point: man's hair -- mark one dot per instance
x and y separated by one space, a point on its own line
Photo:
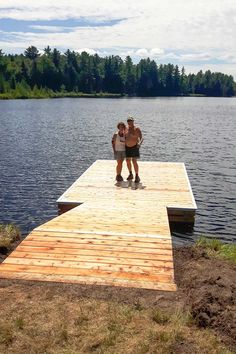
130 119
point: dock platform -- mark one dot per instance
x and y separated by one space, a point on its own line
109 233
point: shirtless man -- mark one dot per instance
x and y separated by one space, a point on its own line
133 140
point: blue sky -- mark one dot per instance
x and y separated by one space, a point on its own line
67 25
189 33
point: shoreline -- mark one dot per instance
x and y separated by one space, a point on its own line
98 95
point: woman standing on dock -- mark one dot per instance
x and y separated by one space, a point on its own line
118 144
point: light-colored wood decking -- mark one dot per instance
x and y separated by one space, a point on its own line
117 235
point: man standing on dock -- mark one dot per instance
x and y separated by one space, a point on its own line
133 140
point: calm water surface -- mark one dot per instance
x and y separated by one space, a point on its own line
46 144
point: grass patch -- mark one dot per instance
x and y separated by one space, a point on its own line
96 326
6 334
167 337
177 318
160 317
9 233
229 251
37 93
181 318
19 323
217 248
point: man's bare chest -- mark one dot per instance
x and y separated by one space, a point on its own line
132 134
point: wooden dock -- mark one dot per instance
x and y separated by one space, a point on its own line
109 234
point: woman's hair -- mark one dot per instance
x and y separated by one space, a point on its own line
121 123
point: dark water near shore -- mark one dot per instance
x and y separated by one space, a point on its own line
46 144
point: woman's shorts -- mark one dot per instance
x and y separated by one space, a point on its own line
119 155
132 151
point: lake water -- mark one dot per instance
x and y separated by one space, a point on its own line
46 144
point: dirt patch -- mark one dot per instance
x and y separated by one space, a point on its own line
209 288
206 290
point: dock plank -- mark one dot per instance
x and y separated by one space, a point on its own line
129 283
156 255
104 241
156 240
109 234
70 245
105 266
159 263
46 269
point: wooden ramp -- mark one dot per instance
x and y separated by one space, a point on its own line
109 234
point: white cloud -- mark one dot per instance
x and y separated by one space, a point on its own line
195 57
181 30
156 52
228 57
151 53
88 50
229 69
126 53
62 9
170 56
142 52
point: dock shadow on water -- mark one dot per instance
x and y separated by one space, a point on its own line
130 184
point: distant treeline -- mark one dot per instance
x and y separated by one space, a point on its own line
53 74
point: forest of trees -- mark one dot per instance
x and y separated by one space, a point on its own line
56 74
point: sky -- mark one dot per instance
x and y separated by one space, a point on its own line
196 34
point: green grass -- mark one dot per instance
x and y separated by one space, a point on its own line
9 233
217 248
19 323
160 317
46 93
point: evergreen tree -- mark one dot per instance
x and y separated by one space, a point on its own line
56 57
113 80
13 83
85 78
48 51
170 83
2 83
177 81
97 73
153 72
24 72
35 77
32 53
147 78
49 74
183 82
130 79
162 80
